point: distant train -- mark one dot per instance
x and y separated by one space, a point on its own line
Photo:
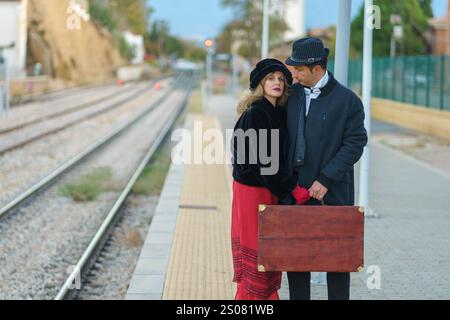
185 65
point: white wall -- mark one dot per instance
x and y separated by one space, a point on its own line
137 41
13 28
294 15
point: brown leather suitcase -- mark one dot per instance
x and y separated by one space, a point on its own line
310 238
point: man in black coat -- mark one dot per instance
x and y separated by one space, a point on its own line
327 137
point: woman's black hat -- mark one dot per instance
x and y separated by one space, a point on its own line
266 66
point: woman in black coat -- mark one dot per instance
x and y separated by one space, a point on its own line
260 143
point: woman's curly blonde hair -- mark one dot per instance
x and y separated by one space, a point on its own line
251 96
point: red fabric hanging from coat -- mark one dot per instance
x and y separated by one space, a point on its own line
252 284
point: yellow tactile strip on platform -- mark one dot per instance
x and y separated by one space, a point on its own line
200 265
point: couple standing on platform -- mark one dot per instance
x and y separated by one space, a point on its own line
315 135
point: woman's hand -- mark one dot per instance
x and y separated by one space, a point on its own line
301 195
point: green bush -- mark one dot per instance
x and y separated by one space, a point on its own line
103 15
127 51
152 178
89 187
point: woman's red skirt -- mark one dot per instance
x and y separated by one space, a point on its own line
251 284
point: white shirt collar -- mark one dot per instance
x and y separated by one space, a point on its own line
315 92
322 82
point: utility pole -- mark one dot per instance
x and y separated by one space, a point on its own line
265 34
341 70
343 41
364 176
4 88
209 44
397 33
234 75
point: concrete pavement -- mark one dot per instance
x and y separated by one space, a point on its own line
187 254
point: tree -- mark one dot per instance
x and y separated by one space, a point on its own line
160 43
134 14
414 14
246 28
109 15
103 15
225 38
427 8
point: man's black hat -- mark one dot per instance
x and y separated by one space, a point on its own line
266 66
307 51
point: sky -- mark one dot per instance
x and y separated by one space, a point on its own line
201 19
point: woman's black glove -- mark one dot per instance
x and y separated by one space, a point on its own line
287 201
298 196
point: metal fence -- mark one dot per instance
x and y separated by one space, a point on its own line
418 80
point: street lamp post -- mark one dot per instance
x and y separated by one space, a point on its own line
364 176
397 33
4 88
209 44
269 7
265 33
234 74
343 41
341 70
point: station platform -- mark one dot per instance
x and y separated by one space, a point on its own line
187 253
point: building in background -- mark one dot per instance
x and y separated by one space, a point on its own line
13 17
439 35
137 43
293 12
295 19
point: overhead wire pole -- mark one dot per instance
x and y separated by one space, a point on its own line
364 175
209 59
265 34
341 69
4 88
234 75
343 41
209 44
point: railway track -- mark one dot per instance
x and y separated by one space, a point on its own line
30 98
98 240
77 159
57 94
60 113
71 109
48 125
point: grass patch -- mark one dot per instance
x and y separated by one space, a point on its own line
151 180
153 176
195 102
89 187
130 237
194 105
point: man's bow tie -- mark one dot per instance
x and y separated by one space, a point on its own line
309 91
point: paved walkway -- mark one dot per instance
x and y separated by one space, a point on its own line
200 264
410 240
187 254
195 261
